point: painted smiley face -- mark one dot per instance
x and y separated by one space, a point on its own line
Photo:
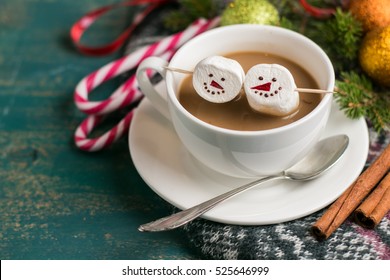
218 79
270 89
214 87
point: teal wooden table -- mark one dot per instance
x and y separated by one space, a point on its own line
57 202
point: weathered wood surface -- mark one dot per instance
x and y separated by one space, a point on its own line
57 202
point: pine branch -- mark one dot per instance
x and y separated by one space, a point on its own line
357 98
190 10
340 37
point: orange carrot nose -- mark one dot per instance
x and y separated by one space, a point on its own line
215 84
265 87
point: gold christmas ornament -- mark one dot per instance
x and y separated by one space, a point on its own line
374 55
371 13
250 11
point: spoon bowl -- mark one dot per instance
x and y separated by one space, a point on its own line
320 159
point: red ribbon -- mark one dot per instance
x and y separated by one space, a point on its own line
317 12
80 26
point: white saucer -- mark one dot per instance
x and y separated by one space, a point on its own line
174 175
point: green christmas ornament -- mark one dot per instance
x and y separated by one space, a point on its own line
250 11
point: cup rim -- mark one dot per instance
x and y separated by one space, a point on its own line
327 98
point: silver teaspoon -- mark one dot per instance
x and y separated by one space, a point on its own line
321 158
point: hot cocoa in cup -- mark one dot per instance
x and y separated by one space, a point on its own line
237 114
238 150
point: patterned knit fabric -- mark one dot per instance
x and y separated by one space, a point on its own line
293 240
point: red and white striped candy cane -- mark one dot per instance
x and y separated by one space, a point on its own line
128 92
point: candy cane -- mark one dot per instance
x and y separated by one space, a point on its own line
133 95
127 63
127 93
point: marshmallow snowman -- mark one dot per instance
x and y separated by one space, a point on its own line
218 79
270 89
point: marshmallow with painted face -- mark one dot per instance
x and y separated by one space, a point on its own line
218 79
270 89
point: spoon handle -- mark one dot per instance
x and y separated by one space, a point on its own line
183 217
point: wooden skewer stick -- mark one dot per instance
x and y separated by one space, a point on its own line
179 70
309 90
312 90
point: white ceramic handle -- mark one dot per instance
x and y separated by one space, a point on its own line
158 99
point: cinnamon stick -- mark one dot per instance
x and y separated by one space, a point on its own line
340 210
376 206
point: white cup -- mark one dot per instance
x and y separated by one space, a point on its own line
242 153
